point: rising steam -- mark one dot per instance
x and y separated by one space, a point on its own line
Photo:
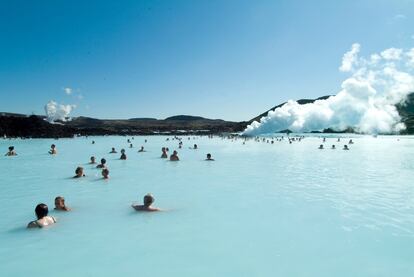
55 111
365 103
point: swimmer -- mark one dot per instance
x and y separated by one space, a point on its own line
93 160
346 147
113 151
350 142
102 164
79 172
43 219
320 146
333 147
93 142
174 156
148 200
123 155
142 149
11 152
131 146
195 146
60 204
53 150
164 153
105 173
180 146
145 141
324 139
209 157
338 140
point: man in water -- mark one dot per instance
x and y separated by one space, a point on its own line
164 153
105 173
113 151
209 157
79 172
43 219
93 160
60 204
346 147
174 156
142 149
11 152
102 164
123 155
53 150
333 146
148 200
320 146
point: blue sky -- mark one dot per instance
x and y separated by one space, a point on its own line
218 59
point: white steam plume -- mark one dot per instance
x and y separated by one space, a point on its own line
55 111
366 102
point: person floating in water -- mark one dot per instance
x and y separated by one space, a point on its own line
142 149
123 155
350 142
113 151
346 147
174 156
93 160
164 154
93 142
320 146
60 204
79 172
105 173
333 146
194 147
131 146
53 150
148 200
102 164
11 152
43 219
209 157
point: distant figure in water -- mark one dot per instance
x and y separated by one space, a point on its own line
79 172
93 142
128 140
113 151
145 141
102 164
320 146
148 200
131 146
346 147
43 219
164 153
338 140
123 155
174 156
60 204
105 173
350 142
209 157
53 150
195 146
333 147
93 160
11 152
324 139
142 149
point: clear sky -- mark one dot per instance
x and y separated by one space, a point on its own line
218 59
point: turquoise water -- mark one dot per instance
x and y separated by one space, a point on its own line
258 210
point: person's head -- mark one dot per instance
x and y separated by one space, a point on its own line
11 148
175 153
105 173
113 148
333 146
148 200
93 159
195 145
142 147
53 146
60 203
41 211
167 149
79 171
122 151
208 156
103 161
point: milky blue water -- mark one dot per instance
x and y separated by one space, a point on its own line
258 210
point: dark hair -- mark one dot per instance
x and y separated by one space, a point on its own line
78 169
11 148
148 200
208 155
52 146
103 161
41 211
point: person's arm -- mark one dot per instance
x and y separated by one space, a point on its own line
33 224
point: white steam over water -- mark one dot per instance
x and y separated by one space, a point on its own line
55 111
366 101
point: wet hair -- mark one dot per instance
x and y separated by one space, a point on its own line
103 161
11 148
41 211
52 146
78 170
148 200
122 150
59 198
93 158
208 155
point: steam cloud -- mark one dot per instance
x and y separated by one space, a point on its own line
365 103
55 111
